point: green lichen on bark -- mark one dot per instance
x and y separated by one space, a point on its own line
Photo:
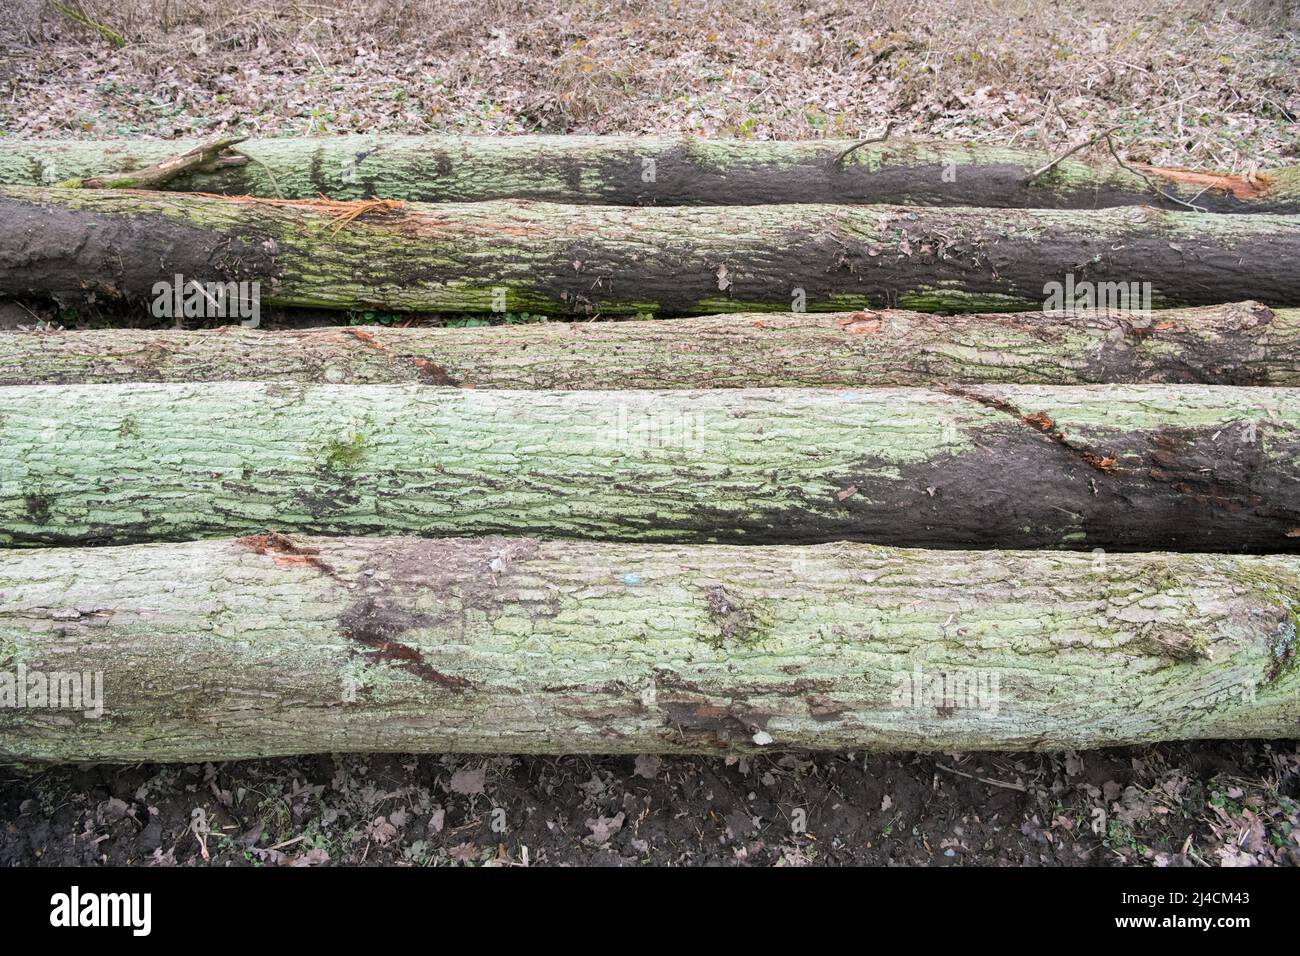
648 169
1199 467
603 260
266 645
1239 344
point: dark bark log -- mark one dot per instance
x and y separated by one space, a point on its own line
657 171
585 260
1209 468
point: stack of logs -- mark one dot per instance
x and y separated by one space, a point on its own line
840 481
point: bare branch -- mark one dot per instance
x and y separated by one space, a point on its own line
206 156
1149 181
875 139
1067 154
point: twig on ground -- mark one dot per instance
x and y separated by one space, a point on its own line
269 175
992 783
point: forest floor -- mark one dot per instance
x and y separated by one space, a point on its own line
1202 804
1190 83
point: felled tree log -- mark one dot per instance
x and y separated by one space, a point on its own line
633 170
269 646
1239 344
1133 467
518 256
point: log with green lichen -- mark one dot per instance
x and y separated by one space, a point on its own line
73 245
268 646
643 170
1242 343
1209 468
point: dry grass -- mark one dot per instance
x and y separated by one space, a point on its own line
1188 82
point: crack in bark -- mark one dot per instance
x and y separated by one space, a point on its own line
1040 422
365 620
368 622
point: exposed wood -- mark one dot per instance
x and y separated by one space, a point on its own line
1127 466
1239 344
585 260
268 646
633 170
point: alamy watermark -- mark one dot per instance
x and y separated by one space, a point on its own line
57 690
1070 296
645 428
950 690
192 299
133 911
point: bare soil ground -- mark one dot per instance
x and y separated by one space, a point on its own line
1207 804
1193 83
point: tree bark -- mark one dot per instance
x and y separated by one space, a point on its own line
585 260
1129 467
631 170
266 646
1243 343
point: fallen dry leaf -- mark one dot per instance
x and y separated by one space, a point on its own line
602 828
468 782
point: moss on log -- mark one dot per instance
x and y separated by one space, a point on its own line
631 170
269 646
1243 343
586 260
1127 466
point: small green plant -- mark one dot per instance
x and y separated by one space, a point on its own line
417 853
1120 837
1224 803
373 318
340 454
